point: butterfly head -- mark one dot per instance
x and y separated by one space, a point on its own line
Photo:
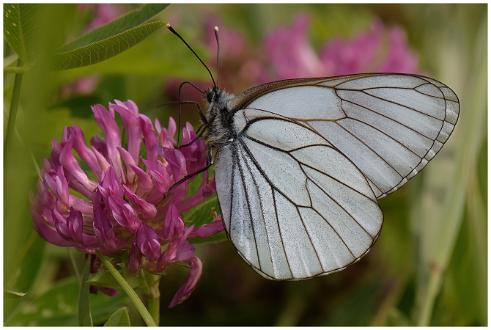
218 98
212 94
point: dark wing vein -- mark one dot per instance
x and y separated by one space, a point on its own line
249 210
387 135
399 104
338 204
370 148
336 232
310 238
381 114
302 163
275 189
232 183
261 207
254 160
273 192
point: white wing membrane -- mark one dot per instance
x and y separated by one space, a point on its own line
292 209
298 186
312 100
388 125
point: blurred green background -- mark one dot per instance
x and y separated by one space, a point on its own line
429 266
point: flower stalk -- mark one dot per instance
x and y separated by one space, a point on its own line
140 307
153 297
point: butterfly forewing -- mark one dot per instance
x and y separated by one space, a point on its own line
388 125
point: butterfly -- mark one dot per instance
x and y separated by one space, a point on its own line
300 164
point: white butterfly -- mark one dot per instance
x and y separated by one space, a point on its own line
301 163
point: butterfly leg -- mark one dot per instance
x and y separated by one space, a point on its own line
189 176
199 133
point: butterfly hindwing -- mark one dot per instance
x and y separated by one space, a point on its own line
293 206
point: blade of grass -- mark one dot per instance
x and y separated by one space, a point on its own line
478 229
440 205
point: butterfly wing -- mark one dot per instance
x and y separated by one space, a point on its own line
293 205
388 125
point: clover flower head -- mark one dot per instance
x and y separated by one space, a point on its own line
116 195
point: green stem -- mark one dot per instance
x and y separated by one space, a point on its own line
14 105
429 296
74 263
140 307
153 297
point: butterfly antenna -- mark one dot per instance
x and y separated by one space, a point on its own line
171 29
216 30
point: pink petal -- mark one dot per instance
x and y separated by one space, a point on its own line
196 268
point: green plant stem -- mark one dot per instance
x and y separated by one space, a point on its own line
74 263
153 297
14 105
140 307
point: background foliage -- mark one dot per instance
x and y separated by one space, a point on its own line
430 263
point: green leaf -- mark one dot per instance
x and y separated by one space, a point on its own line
106 48
119 318
217 238
118 26
202 214
84 315
18 27
105 279
160 56
58 306
110 39
26 268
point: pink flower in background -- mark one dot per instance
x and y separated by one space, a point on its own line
82 86
286 52
114 194
239 66
234 44
289 53
102 13
238 69
380 49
